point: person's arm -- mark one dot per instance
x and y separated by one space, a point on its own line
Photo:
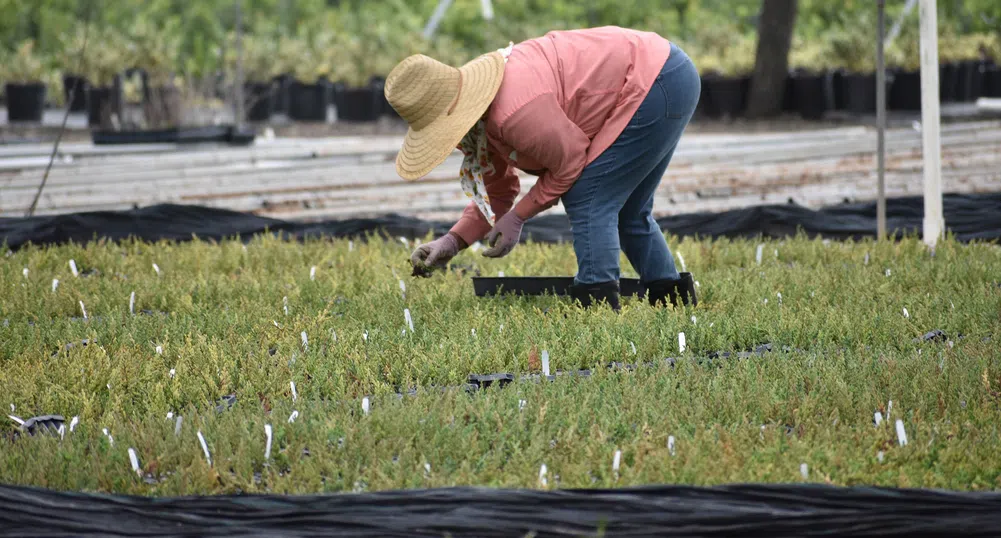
502 189
541 130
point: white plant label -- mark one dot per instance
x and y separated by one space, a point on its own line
472 332
172 373
365 405
693 320
73 268
543 480
681 260
901 434
351 246
887 272
866 260
295 395
177 425
170 415
55 284
500 274
364 336
633 346
410 320
159 350
521 405
305 341
889 407
906 315
804 470
616 461
757 255
73 422
476 246
878 418
111 440
83 309
404 241
776 253
403 288
681 342
312 273
545 363
697 285
205 447
285 305
12 408
267 446
778 295
132 304
879 456
62 431
25 272
293 416
670 444
156 268
427 469
134 460
333 335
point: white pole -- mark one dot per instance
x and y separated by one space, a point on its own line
930 119
881 122
436 17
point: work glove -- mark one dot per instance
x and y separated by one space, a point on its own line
437 253
504 236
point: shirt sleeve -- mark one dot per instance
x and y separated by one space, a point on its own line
502 189
541 130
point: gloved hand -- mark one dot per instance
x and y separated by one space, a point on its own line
505 235
437 253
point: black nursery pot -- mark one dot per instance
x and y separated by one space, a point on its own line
835 81
102 103
948 82
790 102
360 104
860 92
969 80
905 94
260 98
25 102
810 91
75 92
728 94
281 92
992 81
308 102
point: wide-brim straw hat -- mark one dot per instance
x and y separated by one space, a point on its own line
441 104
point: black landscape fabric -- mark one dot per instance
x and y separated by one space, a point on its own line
738 510
967 217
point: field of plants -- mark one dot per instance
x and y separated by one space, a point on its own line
277 366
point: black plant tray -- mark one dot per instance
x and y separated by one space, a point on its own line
543 285
182 135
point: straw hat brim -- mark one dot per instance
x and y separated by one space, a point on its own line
423 150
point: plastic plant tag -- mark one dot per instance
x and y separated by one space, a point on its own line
55 284
267 446
134 460
364 336
73 422
545 363
404 241
521 405
906 315
472 332
62 431
879 456
156 268
170 415
616 461
901 434
681 342
305 341
172 373
633 346
889 407
804 470
73 268
205 447
693 320
500 274
778 295
83 309
365 405
132 304
159 350
410 320
312 273
866 260
295 395
111 440
285 305
427 469
403 288
543 479
293 416
757 255
681 260
25 272
333 335
887 272
351 246
670 444
177 425
12 408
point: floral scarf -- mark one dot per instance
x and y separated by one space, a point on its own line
477 161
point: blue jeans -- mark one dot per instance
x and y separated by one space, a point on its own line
610 207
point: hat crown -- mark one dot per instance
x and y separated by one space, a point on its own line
421 89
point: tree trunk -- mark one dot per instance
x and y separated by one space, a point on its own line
771 64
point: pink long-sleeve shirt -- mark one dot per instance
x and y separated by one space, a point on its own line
564 100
